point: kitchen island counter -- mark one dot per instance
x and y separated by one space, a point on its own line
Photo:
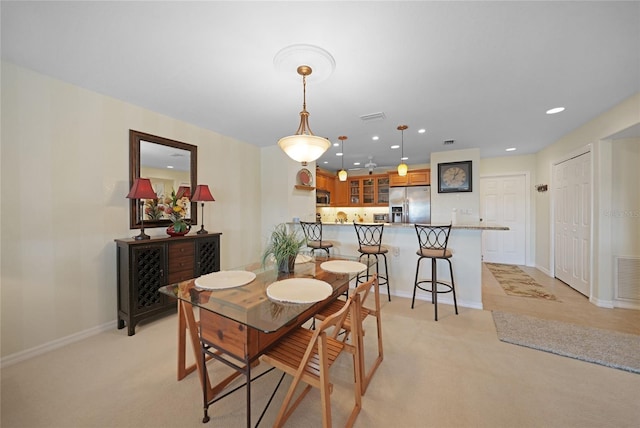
474 226
465 242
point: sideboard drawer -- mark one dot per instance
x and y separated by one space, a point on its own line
181 249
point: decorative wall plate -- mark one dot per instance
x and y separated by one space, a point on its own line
304 177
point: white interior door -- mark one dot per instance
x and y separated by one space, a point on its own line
572 221
503 202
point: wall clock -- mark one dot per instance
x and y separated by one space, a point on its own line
454 177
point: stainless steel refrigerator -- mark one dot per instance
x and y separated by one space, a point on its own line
410 204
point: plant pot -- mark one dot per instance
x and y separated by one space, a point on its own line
287 265
171 232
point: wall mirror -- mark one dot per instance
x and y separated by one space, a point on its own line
170 165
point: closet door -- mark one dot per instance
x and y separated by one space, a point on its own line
572 219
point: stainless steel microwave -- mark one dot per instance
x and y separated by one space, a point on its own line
323 198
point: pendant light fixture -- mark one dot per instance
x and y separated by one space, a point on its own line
303 146
402 168
342 175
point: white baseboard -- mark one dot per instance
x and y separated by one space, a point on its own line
55 344
544 270
447 299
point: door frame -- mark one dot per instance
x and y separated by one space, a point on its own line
587 148
528 253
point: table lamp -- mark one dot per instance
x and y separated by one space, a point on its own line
202 194
142 189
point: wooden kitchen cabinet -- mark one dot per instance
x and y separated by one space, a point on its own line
417 177
325 180
341 198
146 265
368 190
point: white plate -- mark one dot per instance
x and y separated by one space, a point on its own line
225 279
299 290
303 258
343 266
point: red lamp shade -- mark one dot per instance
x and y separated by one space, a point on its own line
202 194
183 192
142 189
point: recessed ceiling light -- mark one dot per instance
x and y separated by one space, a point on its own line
336 144
339 154
170 166
356 163
375 138
555 110
395 146
404 158
510 149
422 131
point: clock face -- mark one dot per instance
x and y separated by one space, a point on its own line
454 176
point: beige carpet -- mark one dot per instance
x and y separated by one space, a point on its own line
453 373
609 348
517 283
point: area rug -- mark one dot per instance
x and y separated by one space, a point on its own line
517 283
605 347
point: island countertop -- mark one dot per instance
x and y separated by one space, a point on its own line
469 226
465 242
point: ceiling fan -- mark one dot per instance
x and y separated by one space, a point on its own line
370 165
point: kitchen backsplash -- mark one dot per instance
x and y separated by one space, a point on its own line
360 214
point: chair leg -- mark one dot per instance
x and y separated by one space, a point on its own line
453 288
386 272
415 284
434 286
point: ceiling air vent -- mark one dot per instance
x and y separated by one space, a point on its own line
447 142
373 117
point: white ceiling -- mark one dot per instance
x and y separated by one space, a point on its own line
480 73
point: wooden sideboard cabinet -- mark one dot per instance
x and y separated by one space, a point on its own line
145 266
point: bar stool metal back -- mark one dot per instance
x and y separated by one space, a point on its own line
370 245
433 241
313 235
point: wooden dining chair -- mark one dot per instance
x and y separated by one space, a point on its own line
369 306
308 355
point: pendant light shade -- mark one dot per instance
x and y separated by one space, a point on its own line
402 168
303 146
342 175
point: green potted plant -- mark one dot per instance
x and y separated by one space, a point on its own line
283 245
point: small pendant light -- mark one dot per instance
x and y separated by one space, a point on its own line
402 168
342 175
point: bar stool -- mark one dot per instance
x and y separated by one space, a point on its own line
370 244
313 235
433 245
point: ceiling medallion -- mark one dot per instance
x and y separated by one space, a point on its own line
290 57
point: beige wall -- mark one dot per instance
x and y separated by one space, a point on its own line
592 136
65 168
467 204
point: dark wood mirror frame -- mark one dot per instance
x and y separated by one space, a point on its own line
135 137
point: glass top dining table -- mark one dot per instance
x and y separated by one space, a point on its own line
250 305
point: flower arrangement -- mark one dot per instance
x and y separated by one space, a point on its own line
176 209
